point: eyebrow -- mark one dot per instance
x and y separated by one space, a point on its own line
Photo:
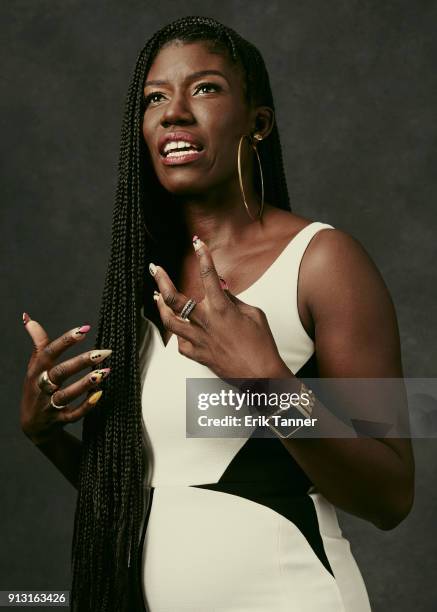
190 77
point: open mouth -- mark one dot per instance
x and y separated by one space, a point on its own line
180 152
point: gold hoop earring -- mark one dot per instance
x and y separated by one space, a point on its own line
258 138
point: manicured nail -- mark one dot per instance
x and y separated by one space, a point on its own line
26 318
99 375
94 398
197 243
223 283
99 355
80 331
152 269
156 295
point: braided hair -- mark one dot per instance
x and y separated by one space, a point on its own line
113 496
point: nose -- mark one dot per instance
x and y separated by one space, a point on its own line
177 111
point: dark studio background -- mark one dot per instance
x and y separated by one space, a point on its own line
355 90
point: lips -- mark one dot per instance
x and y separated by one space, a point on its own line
178 137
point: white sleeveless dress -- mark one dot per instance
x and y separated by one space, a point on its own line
235 525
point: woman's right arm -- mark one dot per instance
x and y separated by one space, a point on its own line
42 422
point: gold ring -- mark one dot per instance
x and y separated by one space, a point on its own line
45 384
55 405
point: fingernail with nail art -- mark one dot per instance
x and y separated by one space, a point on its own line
99 355
81 331
98 375
94 398
152 269
26 318
156 295
197 243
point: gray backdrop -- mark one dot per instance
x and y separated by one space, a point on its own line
355 90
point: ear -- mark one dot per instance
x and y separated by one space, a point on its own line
263 122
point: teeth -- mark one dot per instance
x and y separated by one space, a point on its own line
180 144
179 153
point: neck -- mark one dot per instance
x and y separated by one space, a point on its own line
220 218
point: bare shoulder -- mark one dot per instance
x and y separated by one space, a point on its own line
335 265
331 245
332 257
336 261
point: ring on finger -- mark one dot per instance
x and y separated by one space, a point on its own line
45 384
187 309
56 405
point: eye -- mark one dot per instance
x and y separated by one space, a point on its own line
150 98
208 86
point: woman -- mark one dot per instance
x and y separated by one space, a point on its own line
179 523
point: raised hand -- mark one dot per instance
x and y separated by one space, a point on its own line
44 412
230 337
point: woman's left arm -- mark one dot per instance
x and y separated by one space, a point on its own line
356 336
